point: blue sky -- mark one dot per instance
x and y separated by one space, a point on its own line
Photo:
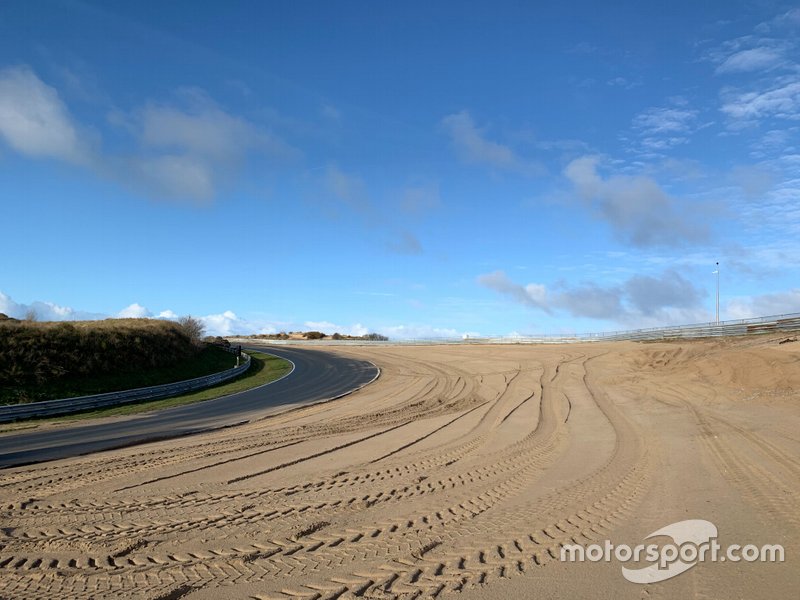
414 168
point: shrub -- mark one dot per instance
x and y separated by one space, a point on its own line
34 353
193 328
376 337
314 335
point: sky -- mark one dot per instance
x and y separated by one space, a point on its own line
417 169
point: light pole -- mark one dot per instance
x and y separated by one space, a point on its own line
717 272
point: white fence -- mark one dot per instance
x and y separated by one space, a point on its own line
777 323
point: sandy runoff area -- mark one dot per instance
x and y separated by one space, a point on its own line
460 473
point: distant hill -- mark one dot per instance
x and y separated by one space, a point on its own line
314 335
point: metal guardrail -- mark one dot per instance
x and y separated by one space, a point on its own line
774 323
64 406
759 325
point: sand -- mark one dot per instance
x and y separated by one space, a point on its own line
459 473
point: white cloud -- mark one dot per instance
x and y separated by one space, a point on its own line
758 52
648 295
661 128
778 140
203 129
226 323
638 210
176 176
781 100
640 301
420 332
623 83
134 311
591 300
533 295
753 59
767 69
473 147
754 181
791 17
183 150
764 305
331 328
665 120
44 311
191 148
34 121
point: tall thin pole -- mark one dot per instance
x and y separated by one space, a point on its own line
717 292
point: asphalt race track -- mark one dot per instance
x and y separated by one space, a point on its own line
317 376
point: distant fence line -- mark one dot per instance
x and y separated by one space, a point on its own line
64 406
757 325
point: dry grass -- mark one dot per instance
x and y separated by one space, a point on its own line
35 356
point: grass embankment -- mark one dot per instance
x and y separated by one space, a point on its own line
43 361
207 361
264 369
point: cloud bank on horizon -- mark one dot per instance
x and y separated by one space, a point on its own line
226 323
670 300
292 175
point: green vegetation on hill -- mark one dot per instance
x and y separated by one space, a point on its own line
264 369
40 361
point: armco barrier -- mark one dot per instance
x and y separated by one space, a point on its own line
52 408
772 324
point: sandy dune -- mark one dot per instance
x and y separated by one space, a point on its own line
459 472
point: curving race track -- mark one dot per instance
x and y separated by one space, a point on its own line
457 474
316 376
